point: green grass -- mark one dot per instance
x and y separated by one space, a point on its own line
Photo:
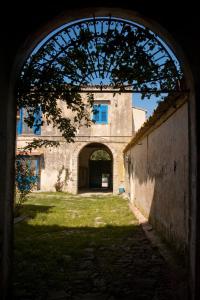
58 231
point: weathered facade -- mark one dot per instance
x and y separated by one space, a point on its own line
27 27
71 160
157 168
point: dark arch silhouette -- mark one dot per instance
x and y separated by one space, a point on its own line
95 175
104 52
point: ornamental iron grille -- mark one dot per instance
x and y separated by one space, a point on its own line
103 54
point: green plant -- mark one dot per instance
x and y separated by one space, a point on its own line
130 57
100 155
59 183
25 181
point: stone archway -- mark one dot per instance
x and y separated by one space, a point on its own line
10 144
95 174
158 30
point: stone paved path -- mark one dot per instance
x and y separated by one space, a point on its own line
132 270
115 267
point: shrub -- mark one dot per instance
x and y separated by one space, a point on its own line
25 181
59 183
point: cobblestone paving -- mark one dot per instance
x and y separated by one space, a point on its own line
132 270
113 263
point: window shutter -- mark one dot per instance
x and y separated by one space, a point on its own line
26 129
37 121
96 113
104 114
20 121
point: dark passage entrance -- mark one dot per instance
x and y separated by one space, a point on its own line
100 175
95 168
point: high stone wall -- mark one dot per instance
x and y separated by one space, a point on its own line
157 174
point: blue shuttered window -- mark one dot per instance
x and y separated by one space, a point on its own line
23 128
37 121
96 113
20 121
100 115
31 165
104 114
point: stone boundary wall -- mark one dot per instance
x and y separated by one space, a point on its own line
156 168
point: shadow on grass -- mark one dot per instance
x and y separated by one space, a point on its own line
109 262
33 210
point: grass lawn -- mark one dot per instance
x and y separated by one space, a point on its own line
62 234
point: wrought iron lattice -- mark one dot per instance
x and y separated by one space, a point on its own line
104 54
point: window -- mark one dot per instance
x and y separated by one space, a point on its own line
22 126
100 113
31 165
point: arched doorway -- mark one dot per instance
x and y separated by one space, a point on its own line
95 168
59 51
192 141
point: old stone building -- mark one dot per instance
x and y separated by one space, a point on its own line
22 30
116 121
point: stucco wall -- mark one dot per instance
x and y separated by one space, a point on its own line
157 176
115 135
139 117
116 149
119 116
53 162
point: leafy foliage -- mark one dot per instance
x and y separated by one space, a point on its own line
100 155
115 52
25 181
38 143
59 183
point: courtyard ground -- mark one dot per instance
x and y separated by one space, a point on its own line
86 248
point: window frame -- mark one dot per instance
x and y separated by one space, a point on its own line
101 108
21 125
37 165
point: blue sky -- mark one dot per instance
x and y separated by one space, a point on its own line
148 104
